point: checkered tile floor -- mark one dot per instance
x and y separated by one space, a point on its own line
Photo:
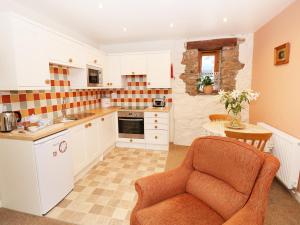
106 195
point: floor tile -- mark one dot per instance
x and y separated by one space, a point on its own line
106 195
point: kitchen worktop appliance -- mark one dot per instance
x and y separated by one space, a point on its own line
131 123
8 120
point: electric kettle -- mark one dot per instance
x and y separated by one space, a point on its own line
8 120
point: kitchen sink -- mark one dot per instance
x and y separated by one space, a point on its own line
73 117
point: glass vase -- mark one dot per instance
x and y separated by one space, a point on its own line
235 121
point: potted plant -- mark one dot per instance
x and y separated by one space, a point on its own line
234 102
207 85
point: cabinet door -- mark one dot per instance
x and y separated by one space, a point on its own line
32 66
133 64
158 71
112 72
78 148
92 139
64 51
94 58
107 129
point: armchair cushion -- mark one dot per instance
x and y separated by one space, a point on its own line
224 185
183 209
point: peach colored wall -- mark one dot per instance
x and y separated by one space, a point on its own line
279 86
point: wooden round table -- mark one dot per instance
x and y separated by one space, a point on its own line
217 128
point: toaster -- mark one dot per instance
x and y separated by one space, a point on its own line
159 102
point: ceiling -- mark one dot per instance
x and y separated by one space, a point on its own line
145 20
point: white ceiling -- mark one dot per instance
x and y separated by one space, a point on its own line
148 20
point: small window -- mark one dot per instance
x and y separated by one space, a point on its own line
209 64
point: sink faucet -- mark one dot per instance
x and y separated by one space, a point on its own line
63 108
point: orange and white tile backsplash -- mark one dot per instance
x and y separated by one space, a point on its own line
48 104
136 93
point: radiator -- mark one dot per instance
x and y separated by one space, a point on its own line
287 149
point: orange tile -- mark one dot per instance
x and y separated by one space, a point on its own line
42 96
24 112
14 98
49 109
53 95
38 111
29 97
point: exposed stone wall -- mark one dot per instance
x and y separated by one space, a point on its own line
191 72
229 67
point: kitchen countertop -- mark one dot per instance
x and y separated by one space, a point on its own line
55 128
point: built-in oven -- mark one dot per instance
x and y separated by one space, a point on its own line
131 124
94 76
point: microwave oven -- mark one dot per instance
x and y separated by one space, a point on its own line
94 76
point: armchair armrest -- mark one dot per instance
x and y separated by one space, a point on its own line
245 216
253 213
161 186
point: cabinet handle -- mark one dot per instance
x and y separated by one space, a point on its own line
111 84
132 73
90 124
70 60
156 137
149 83
95 61
102 119
47 81
107 84
130 140
155 127
155 121
155 115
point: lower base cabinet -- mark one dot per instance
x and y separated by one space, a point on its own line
89 141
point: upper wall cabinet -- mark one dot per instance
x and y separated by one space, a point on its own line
133 64
23 64
95 58
112 71
158 70
65 52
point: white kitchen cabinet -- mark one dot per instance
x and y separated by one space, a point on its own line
95 57
77 147
159 70
92 140
112 72
157 130
64 51
23 64
89 141
133 64
107 131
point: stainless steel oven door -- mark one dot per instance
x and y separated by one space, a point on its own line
131 127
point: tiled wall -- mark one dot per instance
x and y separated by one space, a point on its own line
48 104
136 93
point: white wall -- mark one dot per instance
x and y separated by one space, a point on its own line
190 113
10 5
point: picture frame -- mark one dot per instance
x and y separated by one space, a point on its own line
282 54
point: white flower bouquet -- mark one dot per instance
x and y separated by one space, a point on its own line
235 101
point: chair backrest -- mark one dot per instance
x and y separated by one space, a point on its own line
224 173
258 140
217 117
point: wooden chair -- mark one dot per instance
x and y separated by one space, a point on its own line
257 140
216 117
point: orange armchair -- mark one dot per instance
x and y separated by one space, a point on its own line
221 181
